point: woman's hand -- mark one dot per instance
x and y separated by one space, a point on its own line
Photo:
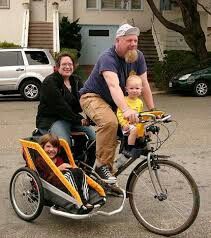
64 167
85 122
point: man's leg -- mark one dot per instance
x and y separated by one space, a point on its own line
106 127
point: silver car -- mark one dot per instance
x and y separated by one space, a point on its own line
22 70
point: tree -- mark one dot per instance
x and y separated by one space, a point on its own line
191 31
70 36
205 7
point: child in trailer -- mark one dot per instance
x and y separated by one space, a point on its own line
51 145
133 89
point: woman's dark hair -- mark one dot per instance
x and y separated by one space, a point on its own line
51 138
62 55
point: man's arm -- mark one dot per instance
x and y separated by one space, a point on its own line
147 93
112 81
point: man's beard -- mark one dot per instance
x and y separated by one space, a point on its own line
131 56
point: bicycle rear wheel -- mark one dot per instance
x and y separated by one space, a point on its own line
178 204
26 194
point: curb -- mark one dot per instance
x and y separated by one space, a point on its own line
159 92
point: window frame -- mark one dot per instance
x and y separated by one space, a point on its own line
93 8
7 6
99 7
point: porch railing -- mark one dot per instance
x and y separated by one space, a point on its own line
25 27
56 43
158 46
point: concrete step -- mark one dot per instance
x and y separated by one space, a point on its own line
147 46
41 35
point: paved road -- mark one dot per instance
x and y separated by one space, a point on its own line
189 146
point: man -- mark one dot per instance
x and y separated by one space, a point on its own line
104 91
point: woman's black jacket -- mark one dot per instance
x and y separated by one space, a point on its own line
57 102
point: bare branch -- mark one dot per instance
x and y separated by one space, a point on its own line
164 21
204 8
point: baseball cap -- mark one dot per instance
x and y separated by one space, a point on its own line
126 29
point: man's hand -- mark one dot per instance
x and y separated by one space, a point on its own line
85 122
64 167
131 115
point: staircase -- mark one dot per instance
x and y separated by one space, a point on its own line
41 35
147 46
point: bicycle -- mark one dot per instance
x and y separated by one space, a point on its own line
156 181
162 194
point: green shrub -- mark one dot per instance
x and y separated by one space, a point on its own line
70 36
82 73
5 44
175 62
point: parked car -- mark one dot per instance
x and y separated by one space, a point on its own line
197 82
22 70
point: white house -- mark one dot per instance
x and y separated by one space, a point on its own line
99 20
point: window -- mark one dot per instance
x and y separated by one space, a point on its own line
36 57
136 4
11 58
98 32
92 4
115 4
4 3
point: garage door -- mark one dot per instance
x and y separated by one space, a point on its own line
95 39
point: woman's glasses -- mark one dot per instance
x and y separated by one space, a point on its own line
66 65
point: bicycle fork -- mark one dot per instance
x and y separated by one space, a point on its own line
160 193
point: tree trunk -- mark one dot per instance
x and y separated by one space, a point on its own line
194 35
192 30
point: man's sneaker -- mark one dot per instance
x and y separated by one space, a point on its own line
127 153
105 174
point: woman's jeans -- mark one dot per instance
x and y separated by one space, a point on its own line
63 130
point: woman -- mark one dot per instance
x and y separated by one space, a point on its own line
58 111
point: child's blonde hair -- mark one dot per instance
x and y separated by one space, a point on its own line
135 78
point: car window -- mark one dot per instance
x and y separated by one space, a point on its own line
11 58
36 57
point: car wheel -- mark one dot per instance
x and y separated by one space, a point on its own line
30 90
201 89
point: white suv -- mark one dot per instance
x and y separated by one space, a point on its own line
22 70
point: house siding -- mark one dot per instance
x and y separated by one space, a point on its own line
141 18
11 22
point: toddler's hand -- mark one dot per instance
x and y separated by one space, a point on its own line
125 128
64 167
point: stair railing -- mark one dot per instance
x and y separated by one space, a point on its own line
56 42
157 43
25 27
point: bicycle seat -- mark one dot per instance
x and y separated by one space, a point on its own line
78 133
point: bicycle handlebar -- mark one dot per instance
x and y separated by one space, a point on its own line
155 116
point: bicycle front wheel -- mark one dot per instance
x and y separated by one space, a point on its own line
176 205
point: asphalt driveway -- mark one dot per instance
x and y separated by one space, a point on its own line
190 146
